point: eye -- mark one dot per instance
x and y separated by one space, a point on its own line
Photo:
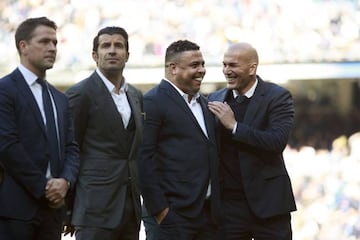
105 45
119 45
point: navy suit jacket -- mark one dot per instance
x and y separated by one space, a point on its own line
265 131
24 148
177 160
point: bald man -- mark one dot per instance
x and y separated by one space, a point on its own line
254 122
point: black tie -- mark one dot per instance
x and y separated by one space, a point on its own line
50 125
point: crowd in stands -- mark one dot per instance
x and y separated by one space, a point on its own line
282 30
327 190
317 125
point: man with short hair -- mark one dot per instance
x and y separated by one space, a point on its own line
38 153
178 160
108 127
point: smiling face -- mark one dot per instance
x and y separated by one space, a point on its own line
239 67
39 52
188 70
111 54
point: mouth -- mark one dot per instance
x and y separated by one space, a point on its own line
50 58
199 78
112 59
230 80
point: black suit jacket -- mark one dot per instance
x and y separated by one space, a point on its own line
23 147
265 131
104 172
177 160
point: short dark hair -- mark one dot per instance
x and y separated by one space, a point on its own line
178 47
111 31
27 27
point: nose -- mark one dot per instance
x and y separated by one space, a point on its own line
52 46
202 69
226 69
112 49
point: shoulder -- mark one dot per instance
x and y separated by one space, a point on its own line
133 90
275 89
153 92
9 79
219 94
271 88
6 81
81 87
9 84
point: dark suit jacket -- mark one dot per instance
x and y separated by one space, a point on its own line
103 178
265 131
23 147
177 160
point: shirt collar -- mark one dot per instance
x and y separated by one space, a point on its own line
29 76
184 95
250 92
109 85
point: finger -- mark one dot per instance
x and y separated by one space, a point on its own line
48 184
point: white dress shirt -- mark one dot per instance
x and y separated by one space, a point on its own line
120 100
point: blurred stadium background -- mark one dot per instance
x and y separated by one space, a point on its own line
312 47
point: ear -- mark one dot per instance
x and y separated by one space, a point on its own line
95 57
127 56
22 46
172 68
253 68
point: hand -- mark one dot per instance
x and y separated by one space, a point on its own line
56 204
160 216
224 113
55 191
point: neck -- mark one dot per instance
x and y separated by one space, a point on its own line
190 97
116 79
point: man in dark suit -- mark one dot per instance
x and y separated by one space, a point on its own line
178 155
108 127
39 165
256 118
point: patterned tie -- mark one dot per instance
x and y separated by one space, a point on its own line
50 125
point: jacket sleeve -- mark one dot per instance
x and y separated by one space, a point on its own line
273 132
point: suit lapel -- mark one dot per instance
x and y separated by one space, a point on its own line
175 96
136 112
105 101
178 99
29 98
208 118
255 102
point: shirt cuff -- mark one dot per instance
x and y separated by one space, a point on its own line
234 128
